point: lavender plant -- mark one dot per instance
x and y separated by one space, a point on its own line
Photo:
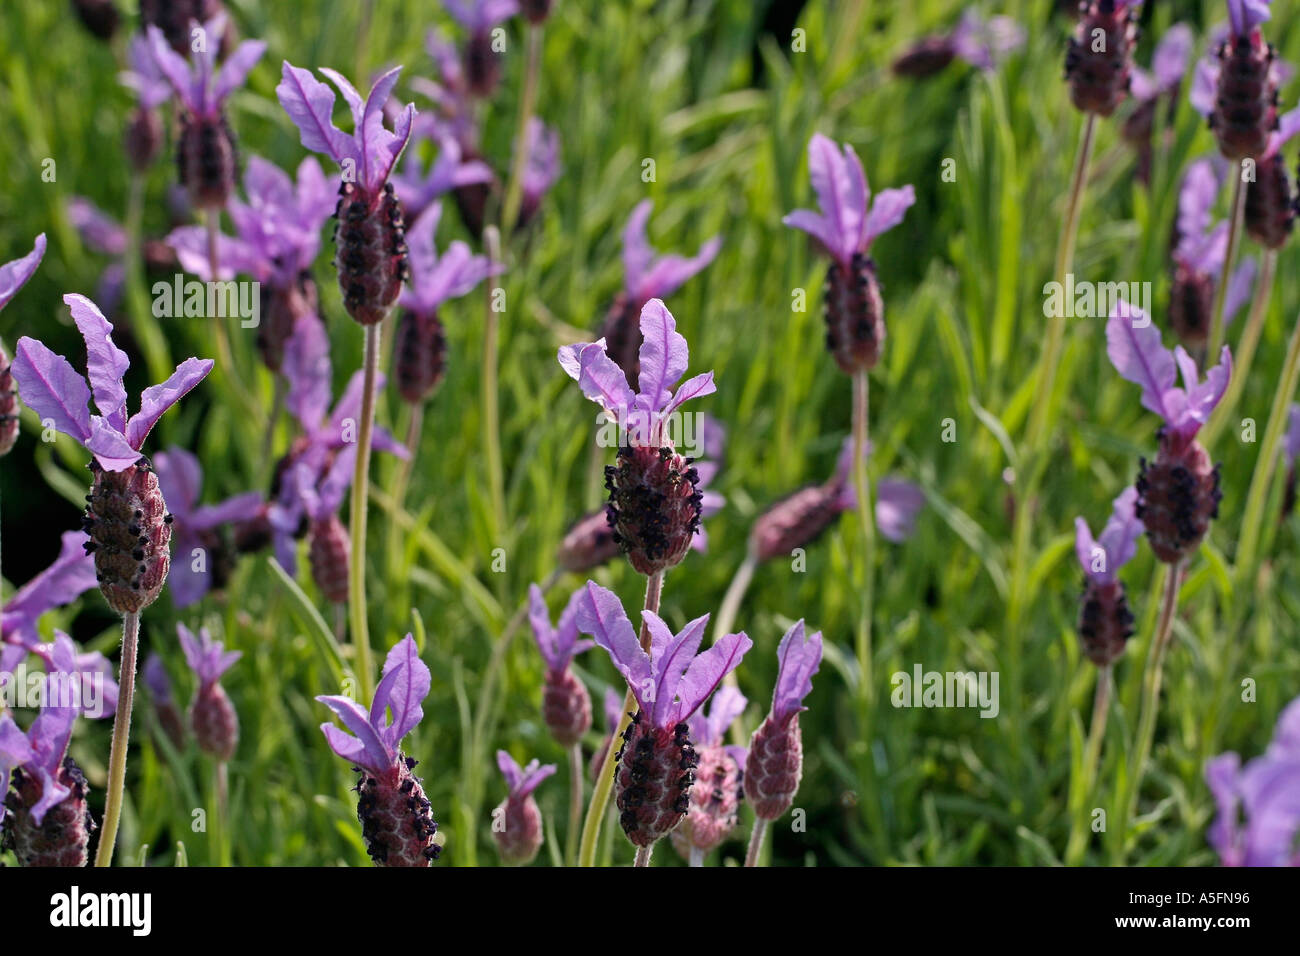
517 822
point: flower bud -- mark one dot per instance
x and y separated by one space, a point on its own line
927 57
371 253
795 521
654 506
143 139
566 707
714 804
774 767
1099 58
396 817
214 722
520 835
855 314
206 160
588 544
653 779
1191 302
535 11
62 838
1245 107
482 64
8 406
622 334
130 535
419 356
281 308
1178 495
1105 621
100 17
328 551
1270 207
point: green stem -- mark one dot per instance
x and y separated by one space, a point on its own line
491 413
1092 753
527 101
1064 263
221 800
1221 287
575 805
1150 704
867 518
726 620
360 495
605 779
1252 520
756 841
643 855
121 733
1245 351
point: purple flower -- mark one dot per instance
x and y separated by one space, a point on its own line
541 148
434 278
847 225
212 715
14 274
194 527
376 737
156 679
1246 15
672 680
558 645
208 659
663 360
417 189
647 275
522 781
519 835
144 78
984 42
1291 440
202 88
1104 556
480 16
455 117
709 731
55 391
799 656
1259 804
372 150
774 765
1134 347
1168 64
71 575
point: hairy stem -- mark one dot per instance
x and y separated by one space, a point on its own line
575 805
867 518
1091 754
654 587
1245 351
121 735
360 499
643 855
527 101
491 413
756 841
1221 287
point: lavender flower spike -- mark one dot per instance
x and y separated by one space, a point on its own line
654 497
646 276
775 762
1178 493
979 41
846 227
395 816
144 130
370 238
205 152
1099 58
1149 90
1259 814
482 63
1105 621
541 148
1245 103
448 172
566 705
204 550
517 822
716 795
70 576
212 715
13 276
657 762
164 705
125 514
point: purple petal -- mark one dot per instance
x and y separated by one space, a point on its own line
1138 355
897 504
728 704
1205 83
1085 549
109 446
1169 62
410 683
509 769
70 576
172 66
1239 288
799 658
1291 441
695 387
310 104
52 388
1246 15
156 679
817 226
106 364
669 273
1196 196
663 354
1202 398
671 656
187 586
307 368
366 749
887 211
235 70
180 478
1119 537
156 399
706 672
600 615
840 185
97 229
533 775
602 381
540 620
637 253
15 750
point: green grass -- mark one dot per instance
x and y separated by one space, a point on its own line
963 277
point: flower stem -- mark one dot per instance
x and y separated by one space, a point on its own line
862 487
1150 705
726 620
697 856
643 855
1064 263
1221 287
152 342
527 100
221 799
575 805
654 587
1245 351
1252 519
360 495
121 734
1092 753
491 413
756 841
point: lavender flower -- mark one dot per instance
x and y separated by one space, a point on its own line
206 558
1263 792
716 795
164 705
1105 621
106 235
1198 260
278 238
519 835
669 681
370 238
13 276
1270 207
144 130
1099 58
566 705
212 715
205 152
1245 102
420 353
1291 451
48 822
541 148
646 276
417 189
846 227
481 62
613 707
174 18
981 42
1168 66
799 519
125 512
654 498
394 813
1178 493
71 575
775 762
